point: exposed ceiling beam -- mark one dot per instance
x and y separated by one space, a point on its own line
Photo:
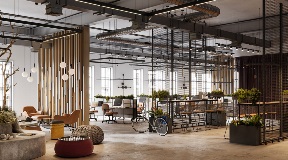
149 55
170 23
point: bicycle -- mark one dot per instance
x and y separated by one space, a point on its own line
141 125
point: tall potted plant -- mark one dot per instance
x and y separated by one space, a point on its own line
7 117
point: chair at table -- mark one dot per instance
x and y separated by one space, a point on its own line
109 113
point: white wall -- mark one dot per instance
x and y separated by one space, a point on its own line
24 93
118 71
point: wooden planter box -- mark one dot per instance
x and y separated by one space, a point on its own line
248 135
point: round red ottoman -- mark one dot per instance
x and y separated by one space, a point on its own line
73 147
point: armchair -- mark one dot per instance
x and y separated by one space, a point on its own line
31 111
69 119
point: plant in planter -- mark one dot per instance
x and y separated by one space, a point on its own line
99 96
7 117
107 98
246 131
254 95
240 95
216 93
162 94
285 94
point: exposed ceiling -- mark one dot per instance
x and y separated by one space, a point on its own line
139 41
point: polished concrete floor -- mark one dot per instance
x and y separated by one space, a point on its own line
121 142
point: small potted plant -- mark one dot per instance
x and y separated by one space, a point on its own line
246 131
216 94
7 117
254 95
241 95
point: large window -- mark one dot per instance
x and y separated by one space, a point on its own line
138 81
91 84
9 83
159 80
200 83
175 81
106 81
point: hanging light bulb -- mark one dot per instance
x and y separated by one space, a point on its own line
62 65
65 77
34 69
24 73
71 71
30 79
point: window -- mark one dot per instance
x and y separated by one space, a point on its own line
106 81
159 80
91 84
138 82
9 84
175 80
199 84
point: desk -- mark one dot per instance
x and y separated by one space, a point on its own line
170 108
125 112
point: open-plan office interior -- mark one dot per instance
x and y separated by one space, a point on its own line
134 79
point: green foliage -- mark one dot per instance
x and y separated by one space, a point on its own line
160 94
249 121
254 95
124 97
107 98
144 95
285 92
99 96
157 112
217 92
7 116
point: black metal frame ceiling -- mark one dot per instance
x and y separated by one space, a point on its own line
165 21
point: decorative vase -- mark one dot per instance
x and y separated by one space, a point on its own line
5 128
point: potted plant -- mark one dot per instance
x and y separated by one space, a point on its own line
99 96
107 98
216 94
285 93
7 117
254 95
246 131
241 95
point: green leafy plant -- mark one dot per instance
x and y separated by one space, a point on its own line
7 116
285 92
254 95
161 94
157 112
241 94
99 96
107 98
144 95
255 120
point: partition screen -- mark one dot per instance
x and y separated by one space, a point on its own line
175 81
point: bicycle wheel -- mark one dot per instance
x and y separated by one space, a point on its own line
140 125
161 126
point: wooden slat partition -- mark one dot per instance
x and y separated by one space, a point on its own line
55 95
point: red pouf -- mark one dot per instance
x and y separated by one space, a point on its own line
74 149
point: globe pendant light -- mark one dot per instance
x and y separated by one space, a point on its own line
30 79
34 69
62 65
71 71
24 73
65 77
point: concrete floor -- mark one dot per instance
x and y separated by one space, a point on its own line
121 142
